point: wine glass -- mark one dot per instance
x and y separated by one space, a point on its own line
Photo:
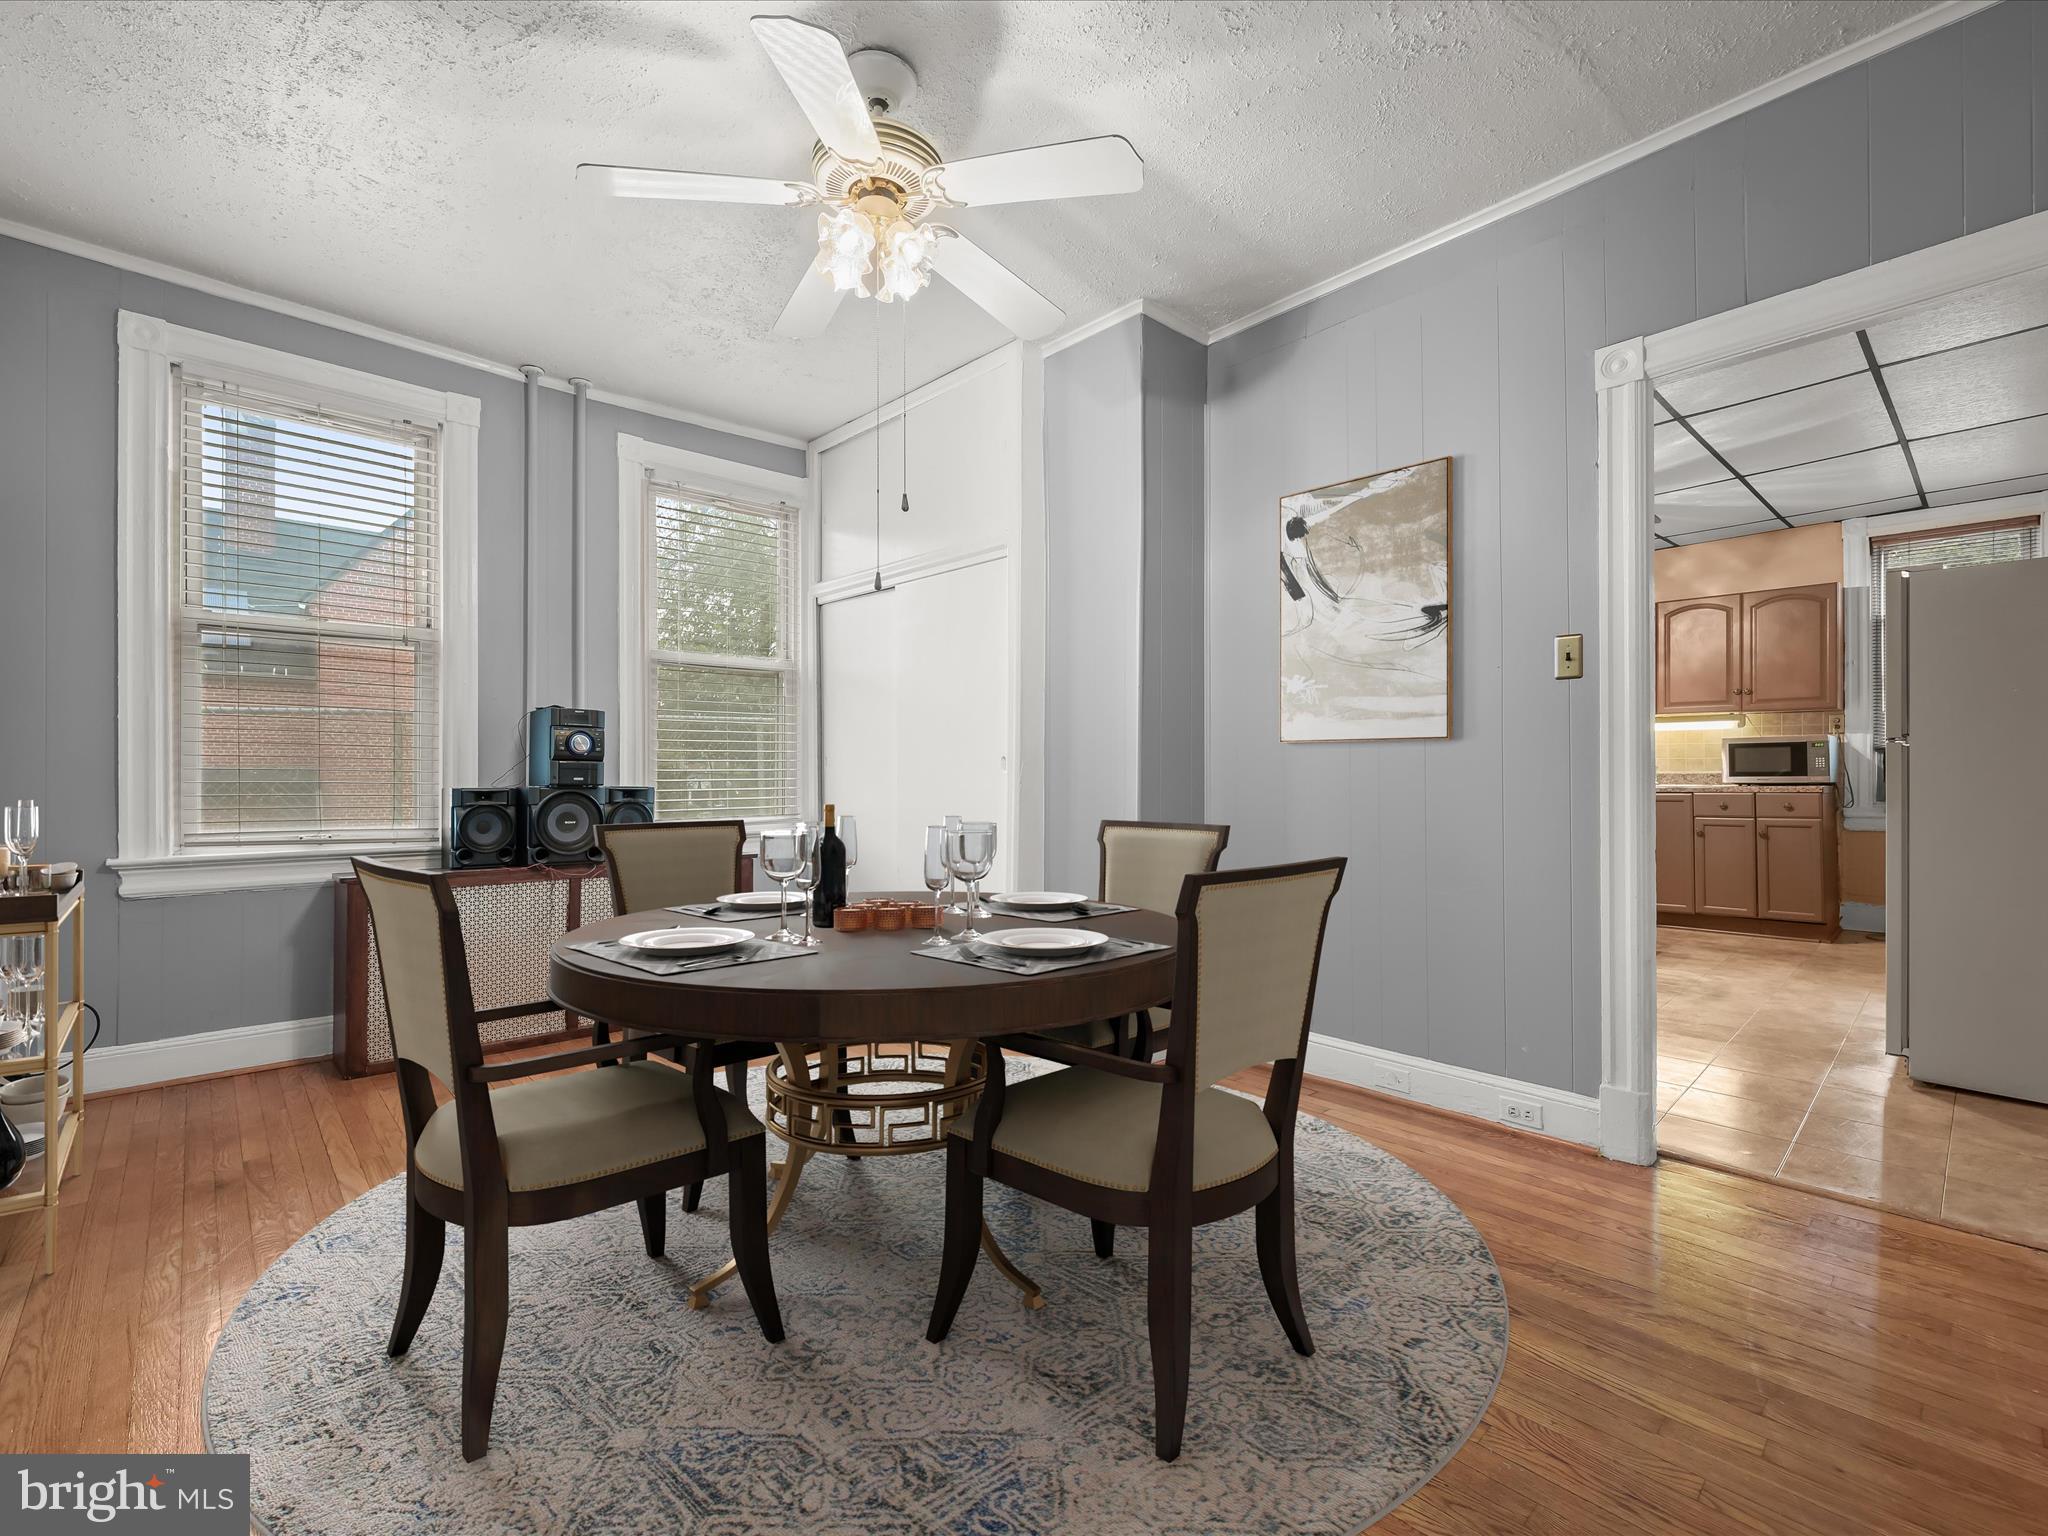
849 834
938 875
782 860
22 827
971 851
806 881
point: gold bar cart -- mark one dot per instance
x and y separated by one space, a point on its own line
43 914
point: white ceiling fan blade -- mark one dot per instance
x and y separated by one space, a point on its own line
1021 307
1077 168
811 308
813 65
690 186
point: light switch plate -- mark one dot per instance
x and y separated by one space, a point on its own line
1571 656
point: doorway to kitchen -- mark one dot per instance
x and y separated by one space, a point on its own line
1786 464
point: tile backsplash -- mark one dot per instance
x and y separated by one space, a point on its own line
1700 751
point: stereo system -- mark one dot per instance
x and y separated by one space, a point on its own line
565 746
554 819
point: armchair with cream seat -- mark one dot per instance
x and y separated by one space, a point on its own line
1157 1144
541 1150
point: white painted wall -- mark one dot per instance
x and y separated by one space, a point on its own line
931 691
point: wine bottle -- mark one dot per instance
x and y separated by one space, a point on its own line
831 892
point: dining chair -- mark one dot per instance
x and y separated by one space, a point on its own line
1156 1144
1141 864
659 864
496 1157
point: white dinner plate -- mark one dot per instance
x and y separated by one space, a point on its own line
1042 942
767 900
687 941
1039 901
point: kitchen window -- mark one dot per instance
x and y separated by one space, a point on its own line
713 701
1874 547
297 644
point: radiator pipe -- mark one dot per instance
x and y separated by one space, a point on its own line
579 693
528 656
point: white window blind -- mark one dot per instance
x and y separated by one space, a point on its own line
1980 544
307 623
723 660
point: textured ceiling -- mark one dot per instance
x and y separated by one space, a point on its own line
411 165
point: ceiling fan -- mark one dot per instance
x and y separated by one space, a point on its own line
879 184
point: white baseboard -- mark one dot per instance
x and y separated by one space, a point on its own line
111 1067
1567 1116
1863 916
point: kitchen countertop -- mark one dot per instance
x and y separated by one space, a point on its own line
1689 783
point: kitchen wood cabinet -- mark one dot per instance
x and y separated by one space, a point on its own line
1792 649
1724 866
1699 655
1674 853
1792 869
1774 650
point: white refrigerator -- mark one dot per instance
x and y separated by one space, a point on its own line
1966 825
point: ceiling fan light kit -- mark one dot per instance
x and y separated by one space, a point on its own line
878 184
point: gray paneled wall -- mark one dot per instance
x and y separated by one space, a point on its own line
1124 587
1466 930
185 964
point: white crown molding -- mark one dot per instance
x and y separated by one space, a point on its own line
1571 1117
1933 19
1118 316
164 272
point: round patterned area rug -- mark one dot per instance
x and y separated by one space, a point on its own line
619 1410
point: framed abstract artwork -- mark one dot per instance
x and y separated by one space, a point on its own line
1365 607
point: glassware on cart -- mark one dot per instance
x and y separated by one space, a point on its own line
21 828
806 879
938 878
970 854
782 860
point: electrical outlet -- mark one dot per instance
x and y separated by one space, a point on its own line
1523 1112
1391 1080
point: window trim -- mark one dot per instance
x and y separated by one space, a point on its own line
149 861
1868 814
631 724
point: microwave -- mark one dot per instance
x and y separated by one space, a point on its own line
1780 759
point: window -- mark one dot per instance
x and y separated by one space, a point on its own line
723 671
1874 547
297 663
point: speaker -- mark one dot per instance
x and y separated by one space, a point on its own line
626 805
561 824
565 746
486 828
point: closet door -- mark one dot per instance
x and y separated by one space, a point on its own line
916 717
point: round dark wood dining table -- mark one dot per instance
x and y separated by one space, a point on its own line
868 988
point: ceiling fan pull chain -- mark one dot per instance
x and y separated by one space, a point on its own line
906 408
878 447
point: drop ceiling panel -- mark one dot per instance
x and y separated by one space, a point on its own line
1858 477
1818 422
1735 531
1991 492
1706 506
1681 461
1807 363
1990 382
1996 309
2009 451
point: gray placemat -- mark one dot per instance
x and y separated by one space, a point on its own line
718 914
1017 965
1058 914
758 952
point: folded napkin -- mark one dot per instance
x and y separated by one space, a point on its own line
1038 965
759 951
1055 914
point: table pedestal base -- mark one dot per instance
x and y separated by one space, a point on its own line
805 1108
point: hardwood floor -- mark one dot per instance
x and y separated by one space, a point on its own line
1771 1061
1690 1351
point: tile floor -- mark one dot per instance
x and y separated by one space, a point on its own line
1771 1061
